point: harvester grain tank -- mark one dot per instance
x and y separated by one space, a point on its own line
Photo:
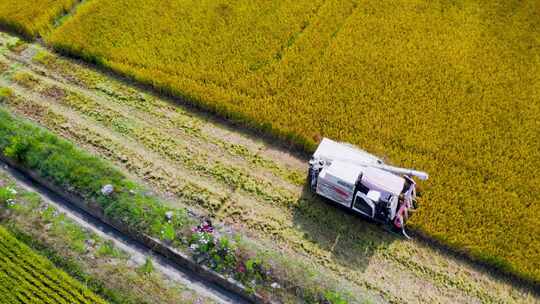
363 183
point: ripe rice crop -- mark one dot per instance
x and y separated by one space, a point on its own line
451 88
26 277
30 18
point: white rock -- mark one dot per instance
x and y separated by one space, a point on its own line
107 190
274 285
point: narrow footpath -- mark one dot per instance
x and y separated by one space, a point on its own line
137 251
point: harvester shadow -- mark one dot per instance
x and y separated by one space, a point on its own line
354 240
351 239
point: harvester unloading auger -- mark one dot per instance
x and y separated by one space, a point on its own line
363 183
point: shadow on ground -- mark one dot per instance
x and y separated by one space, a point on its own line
350 238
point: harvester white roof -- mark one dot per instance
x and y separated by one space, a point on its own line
347 162
331 150
383 181
372 178
344 172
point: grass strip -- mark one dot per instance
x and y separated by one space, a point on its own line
85 175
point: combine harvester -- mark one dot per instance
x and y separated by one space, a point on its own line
363 183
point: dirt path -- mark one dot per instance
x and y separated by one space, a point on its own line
137 252
239 179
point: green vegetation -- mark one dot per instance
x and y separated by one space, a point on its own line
147 267
31 18
78 172
83 174
26 277
102 267
451 88
5 93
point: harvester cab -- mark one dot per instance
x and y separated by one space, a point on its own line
363 183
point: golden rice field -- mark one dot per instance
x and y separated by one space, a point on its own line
26 277
450 88
32 18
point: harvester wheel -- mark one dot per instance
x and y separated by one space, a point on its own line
310 179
